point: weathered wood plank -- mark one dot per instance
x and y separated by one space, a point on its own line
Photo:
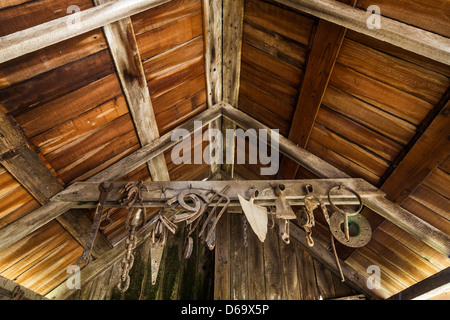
388 98
427 288
46 34
256 283
409 222
427 153
163 14
352 277
267 63
233 20
403 75
394 128
285 22
125 53
7 288
222 273
31 65
272 267
400 34
239 281
295 190
291 282
170 35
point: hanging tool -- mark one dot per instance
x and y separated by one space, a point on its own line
283 209
256 215
284 212
313 201
200 204
346 214
86 255
341 221
158 237
306 219
128 259
188 244
361 230
284 230
134 192
212 229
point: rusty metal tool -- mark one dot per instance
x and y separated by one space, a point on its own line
86 255
283 209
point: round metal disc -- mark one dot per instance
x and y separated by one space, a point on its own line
360 234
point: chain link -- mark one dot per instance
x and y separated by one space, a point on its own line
244 221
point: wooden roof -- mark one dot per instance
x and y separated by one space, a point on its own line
373 109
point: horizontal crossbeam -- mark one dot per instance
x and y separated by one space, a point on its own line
157 193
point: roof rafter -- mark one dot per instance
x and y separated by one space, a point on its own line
46 34
400 34
125 53
322 58
233 21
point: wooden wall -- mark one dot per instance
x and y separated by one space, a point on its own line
271 270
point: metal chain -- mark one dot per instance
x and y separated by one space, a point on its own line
128 259
244 221
127 262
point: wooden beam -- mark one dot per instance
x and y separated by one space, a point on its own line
427 288
36 219
417 227
233 25
400 34
295 191
322 58
47 34
10 290
31 172
24 164
412 224
127 59
212 28
430 149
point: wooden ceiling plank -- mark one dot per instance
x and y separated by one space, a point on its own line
46 34
322 58
39 217
31 172
397 33
125 53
